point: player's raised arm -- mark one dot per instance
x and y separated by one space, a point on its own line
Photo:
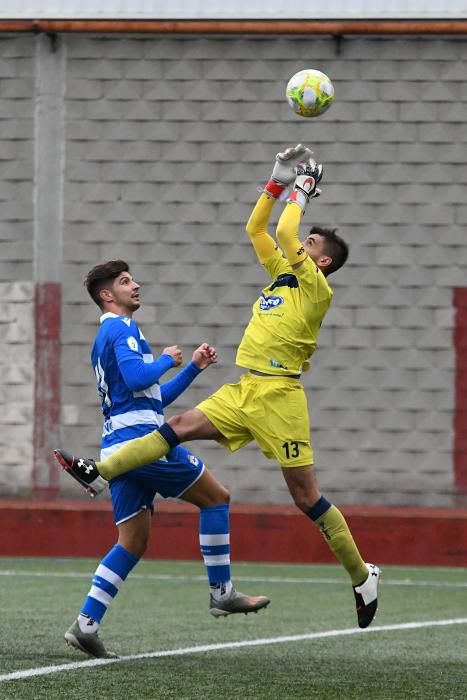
204 356
137 374
309 173
282 175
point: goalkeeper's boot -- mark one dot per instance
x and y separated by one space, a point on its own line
83 470
366 596
89 643
237 603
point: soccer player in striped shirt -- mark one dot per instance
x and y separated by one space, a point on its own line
268 404
133 404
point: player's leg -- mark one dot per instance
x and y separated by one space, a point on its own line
304 489
191 425
212 498
216 418
133 536
282 431
132 502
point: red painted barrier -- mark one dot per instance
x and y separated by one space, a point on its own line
460 415
266 533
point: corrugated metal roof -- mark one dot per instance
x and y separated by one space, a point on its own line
241 9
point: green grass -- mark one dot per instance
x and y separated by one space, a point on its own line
163 607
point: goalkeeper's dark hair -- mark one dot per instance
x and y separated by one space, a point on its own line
99 277
334 246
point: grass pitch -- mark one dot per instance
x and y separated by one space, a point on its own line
305 645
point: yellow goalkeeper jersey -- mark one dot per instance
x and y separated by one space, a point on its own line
283 331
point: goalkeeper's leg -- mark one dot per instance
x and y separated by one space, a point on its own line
191 425
364 577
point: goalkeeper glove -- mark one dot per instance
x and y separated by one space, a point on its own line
309 173
284 171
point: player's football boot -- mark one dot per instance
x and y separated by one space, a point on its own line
83 470
89 643
366 596
237 603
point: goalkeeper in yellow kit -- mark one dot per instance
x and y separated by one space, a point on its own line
268 404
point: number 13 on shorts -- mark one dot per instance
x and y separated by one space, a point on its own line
291 449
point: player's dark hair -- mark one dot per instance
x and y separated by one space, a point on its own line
334 246
99 277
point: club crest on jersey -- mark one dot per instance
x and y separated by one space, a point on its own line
194 460
268 303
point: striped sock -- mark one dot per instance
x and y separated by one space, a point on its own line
214 540
106 582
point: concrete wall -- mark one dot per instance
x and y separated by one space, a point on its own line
17 67
167 141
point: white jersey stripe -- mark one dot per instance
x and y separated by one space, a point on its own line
152 392
126 420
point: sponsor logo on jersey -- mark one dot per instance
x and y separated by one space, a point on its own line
275 363
268 303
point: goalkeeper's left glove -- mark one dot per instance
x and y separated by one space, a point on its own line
285 169
309 173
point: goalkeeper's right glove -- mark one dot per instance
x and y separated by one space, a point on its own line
309 173
284 171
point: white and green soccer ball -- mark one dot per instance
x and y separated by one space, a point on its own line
309 93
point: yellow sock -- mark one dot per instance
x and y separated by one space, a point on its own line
135 453
339 538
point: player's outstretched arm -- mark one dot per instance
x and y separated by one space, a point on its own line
309 173
284 173
257 228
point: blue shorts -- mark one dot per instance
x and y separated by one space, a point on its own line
135 491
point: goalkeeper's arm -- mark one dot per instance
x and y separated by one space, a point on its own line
287 234
257 228
309 174
282 175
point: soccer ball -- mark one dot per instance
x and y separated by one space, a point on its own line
309 93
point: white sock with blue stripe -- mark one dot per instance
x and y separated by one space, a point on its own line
214 540
106 582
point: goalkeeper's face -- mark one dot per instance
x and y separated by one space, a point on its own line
125 294
314 246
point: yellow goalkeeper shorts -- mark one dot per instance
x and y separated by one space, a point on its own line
271 410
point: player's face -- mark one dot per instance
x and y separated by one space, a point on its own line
314 246
126 292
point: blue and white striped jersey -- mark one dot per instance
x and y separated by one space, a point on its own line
128 382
